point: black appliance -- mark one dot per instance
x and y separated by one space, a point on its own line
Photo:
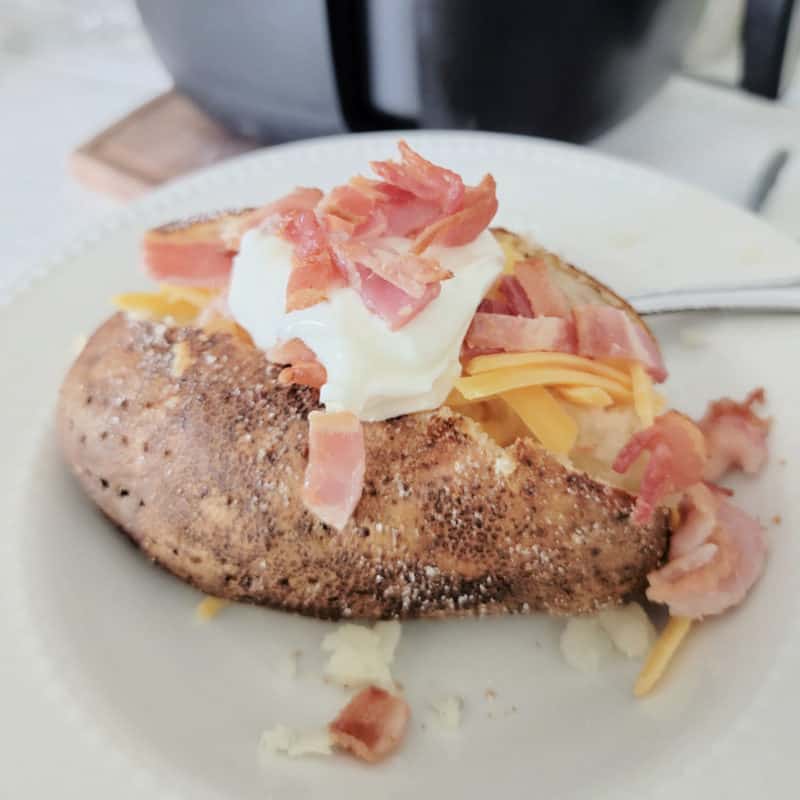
566 69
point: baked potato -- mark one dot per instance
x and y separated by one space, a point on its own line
187 441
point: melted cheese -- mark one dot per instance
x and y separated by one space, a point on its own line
545 417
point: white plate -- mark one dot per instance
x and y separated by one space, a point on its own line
108 688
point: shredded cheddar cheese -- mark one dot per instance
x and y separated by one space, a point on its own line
643 395
498 381
191 294
481 364
545 417
157 306
589 396
209 607
661 654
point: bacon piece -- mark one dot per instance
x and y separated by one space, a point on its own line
699 518
516 299
423 179
314 272
464 226
393 305
736 436
545 298
334 476
606 332
200 251
305 373
372 724
413 274
304 367
302 198
290 351
520 334
719 556
677 460
494 305
189 253
376 208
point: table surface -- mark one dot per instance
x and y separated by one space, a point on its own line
56 97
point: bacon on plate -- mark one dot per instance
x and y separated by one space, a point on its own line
545 297
413 274
465 225
372 724
423 179
396 307
334 476
736 436
304 368
607 332
200 251
677 459
519 334
515 300
716 555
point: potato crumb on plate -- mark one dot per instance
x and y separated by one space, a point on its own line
447 712
282 740
361 656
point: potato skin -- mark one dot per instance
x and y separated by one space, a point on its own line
188 443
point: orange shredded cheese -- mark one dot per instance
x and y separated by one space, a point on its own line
209 607
590 396
481 364
156 306
191 294
498 381
661 653
544 416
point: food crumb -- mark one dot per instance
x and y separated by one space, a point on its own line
447 712
777 519
490 694
209 607
283 740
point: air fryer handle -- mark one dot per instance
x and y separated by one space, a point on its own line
766 29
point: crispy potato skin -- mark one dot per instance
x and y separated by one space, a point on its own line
188 443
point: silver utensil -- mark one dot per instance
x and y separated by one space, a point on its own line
781 295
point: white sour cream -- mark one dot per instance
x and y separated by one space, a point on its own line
372 371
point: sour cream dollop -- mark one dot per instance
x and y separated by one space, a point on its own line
373 372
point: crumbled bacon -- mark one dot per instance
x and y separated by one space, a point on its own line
736 436
314 274
516 300
413 274
546 299
372 724
519 334
302 198
677 460
304 368
716 555
396 307
423 179
607 332
334 476
465 225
